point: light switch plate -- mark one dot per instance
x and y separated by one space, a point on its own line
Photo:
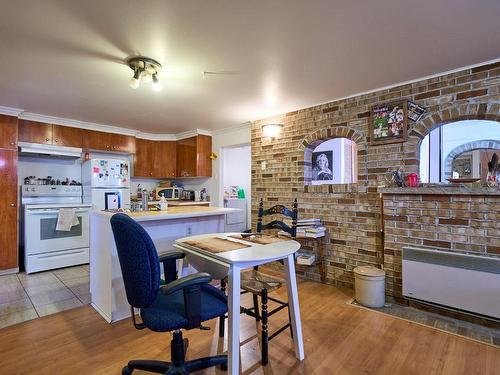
263 165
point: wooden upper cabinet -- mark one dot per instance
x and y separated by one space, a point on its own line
143 159
8 132
67 136
164 159
95 140
122 143
186 157
193 156
9 209
203 151
35 132
154 159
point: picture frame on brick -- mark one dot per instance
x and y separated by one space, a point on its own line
389 123
415 111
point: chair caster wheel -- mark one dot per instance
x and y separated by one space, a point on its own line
127 371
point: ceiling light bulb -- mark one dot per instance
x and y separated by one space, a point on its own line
156 84
134 81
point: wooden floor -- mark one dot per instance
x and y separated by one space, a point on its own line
339 339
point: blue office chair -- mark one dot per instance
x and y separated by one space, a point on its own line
179 304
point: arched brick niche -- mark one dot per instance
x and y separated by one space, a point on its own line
312 140
457 112
471 146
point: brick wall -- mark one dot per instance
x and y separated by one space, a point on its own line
451 222
351 212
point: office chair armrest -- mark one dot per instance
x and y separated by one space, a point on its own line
190 285
169 260
171 255
195 279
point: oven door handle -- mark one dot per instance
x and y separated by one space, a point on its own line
45 212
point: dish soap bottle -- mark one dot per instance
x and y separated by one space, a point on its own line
163 203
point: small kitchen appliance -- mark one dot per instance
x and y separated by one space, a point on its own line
188 195
170 193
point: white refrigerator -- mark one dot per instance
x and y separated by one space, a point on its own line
106 183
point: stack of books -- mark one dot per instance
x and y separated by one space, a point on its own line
311 228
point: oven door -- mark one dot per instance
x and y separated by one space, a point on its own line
40 234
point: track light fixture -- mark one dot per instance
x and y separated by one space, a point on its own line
144 68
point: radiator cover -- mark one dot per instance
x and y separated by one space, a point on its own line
461 281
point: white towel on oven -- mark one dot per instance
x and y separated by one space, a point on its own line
66 219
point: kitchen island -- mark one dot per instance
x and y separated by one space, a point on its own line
164 227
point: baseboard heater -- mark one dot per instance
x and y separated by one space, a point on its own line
470 283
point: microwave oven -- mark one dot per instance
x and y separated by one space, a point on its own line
170 193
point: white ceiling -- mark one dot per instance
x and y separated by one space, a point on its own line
65 58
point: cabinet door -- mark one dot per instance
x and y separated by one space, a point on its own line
203 151
165 159
67 136
8 208
186 157
8 132
122 143
144 158
94 140
35 132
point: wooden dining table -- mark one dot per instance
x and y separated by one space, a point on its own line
244 255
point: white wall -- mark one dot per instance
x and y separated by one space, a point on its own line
230 137
43 167
237 170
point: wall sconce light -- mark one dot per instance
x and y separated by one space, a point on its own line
272 130
144 67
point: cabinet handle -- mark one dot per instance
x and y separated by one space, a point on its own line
12 143
47 139
13 205
56 140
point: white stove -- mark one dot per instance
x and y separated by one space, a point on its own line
44 246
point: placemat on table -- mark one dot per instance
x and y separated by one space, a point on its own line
216 245
264 239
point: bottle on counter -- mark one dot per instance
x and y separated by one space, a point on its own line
163 203
145 199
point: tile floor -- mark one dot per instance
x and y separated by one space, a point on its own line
25 297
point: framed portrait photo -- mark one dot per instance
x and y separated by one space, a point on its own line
322 166
388 123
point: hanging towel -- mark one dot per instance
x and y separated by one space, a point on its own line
66 219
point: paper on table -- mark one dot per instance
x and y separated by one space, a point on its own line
66 219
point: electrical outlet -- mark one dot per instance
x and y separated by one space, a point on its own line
263 165
189 230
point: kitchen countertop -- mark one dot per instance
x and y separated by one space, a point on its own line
177 212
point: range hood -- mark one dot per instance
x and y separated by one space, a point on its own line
26 148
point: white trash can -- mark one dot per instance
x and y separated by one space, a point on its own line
369 284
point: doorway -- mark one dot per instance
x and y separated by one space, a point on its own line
236 164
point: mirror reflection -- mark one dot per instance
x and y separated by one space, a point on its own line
473 164
460 150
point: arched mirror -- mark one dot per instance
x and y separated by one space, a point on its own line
461 150
334 161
